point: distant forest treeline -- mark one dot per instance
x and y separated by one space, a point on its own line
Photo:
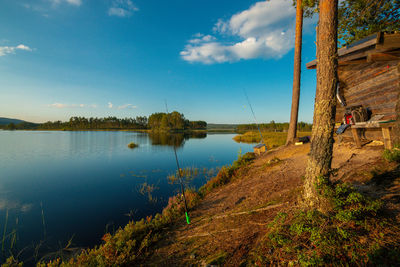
157 121
81 123
160 121
274 127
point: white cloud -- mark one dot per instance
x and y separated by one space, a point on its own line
62 105
122 8
110 105
58 105
130 106
75 2
23 47
14 205
71 2
265 30
4 50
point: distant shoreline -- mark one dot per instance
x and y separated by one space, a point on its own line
129 130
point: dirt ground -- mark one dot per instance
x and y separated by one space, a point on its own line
231 220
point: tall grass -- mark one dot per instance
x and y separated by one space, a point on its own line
43 221
271 139
4 232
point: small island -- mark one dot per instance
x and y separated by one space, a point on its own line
132 145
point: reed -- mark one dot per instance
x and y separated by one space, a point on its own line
43 221
4 232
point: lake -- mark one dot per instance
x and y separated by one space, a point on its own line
59 186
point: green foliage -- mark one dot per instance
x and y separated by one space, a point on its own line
173 121
217 259
227 173
82 123
355 232
360 18
12 262
392 155
132 145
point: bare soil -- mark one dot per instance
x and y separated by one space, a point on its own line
232 219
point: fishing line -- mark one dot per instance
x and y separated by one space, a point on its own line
254 115
179 175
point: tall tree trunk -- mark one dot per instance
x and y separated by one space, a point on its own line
292 132
319 162
396 130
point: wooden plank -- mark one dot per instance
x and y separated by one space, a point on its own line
352 62
373 57
348 50
387 140
312 64
356 137
390 41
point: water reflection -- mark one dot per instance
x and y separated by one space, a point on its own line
55 185
173 139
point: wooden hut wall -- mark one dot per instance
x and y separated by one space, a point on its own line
373 85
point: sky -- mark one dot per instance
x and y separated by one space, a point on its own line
126 58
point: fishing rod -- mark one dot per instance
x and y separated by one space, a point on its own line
254 115
179 175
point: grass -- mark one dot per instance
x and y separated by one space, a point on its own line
217 259
357 231
132 145
227 173
392 155
271 139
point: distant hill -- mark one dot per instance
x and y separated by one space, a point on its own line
6 121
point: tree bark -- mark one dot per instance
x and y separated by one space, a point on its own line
396 129
319 162
292 132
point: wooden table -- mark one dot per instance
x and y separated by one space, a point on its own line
386 127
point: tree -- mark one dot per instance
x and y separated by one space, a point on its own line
11 126
320 159
292 132
360 18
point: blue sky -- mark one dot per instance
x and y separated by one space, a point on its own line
96 58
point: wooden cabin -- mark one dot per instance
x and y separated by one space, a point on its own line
369 76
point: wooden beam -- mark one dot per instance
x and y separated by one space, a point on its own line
390 41
356 137
373 57
387 140
347 50
352 62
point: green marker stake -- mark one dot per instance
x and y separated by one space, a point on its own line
187 218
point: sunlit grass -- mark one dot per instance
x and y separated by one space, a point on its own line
271 139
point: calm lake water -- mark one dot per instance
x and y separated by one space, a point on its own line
55 186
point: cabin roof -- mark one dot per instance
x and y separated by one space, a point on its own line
376 47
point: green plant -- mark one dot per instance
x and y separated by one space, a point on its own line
392 155
354 232
132 145
226 173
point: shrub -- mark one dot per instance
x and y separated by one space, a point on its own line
132 145
392 155
355 232
226 173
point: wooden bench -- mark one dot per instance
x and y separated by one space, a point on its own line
386 127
